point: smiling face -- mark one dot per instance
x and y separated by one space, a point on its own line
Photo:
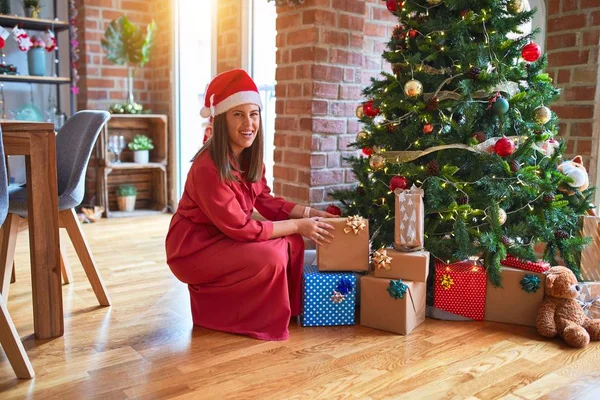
243 123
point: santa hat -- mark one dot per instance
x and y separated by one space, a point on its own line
227 90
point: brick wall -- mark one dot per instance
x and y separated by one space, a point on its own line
326 52
229 48
572 39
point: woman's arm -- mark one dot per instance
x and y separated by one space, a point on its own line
312 228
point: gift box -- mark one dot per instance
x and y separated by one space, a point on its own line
589 298
533 266
460 288
590 256
410 220
349 250
393 264
518 300
392 305
329 298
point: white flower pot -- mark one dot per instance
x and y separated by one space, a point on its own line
126 203
141 156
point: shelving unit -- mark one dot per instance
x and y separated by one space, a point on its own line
40 24
150 179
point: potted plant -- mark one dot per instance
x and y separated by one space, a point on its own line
31 8
36 57
141 146
126 197
125 44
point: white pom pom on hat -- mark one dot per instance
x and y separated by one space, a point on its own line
227 90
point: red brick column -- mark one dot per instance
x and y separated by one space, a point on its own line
572 39
326 51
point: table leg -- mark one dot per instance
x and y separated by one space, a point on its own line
42 200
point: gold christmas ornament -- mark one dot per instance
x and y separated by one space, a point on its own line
542 115
515 6
413 88
376 162
501 216
434 2
362 135
360 112
381 260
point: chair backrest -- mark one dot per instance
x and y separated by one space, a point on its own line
74 144
3 183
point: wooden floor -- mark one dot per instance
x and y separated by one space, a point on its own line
144 346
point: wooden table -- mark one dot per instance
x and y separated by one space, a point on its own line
36 141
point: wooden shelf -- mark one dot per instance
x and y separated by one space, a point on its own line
34 24
150 179
34 79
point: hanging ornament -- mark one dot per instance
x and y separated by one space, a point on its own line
502 216
333 209
427 129
367 151
515 6
473 73
542 115
377 162
434 2
504 147
379 120
398 182
360 112
531 52
362 135
49 40
3 36
480 136
433 168
394 5
369 110
413 88
515 166
412 33
22 38
501 106
561 235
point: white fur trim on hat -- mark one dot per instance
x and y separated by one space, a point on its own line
239 98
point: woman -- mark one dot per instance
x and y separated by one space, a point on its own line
244 276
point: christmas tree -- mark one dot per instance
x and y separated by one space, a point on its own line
464 116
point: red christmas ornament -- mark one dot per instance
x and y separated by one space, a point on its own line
369 110
398 182
427 129
531 52
504 147
393 5
367 151
412 33
333 209
1 43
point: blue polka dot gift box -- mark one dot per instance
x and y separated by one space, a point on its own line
329 298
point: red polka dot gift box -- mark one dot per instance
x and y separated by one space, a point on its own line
460 288
534 266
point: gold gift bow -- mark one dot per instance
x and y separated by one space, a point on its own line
355 223
382 260
411 155
446 281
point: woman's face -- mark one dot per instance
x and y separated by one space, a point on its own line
242 126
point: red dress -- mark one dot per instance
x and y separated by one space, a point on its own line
240 281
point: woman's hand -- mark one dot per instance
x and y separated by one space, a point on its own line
315 229
323 214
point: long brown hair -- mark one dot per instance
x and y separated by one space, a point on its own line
220 152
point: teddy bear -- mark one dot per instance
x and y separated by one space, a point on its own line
561 315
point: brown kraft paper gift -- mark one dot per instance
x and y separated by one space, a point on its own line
511 304
590 256
399 265
349 250
410 218
379 310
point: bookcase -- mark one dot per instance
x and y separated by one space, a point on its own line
150 179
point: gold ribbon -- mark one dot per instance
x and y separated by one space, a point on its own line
447 281
355 223
382 260
411 155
